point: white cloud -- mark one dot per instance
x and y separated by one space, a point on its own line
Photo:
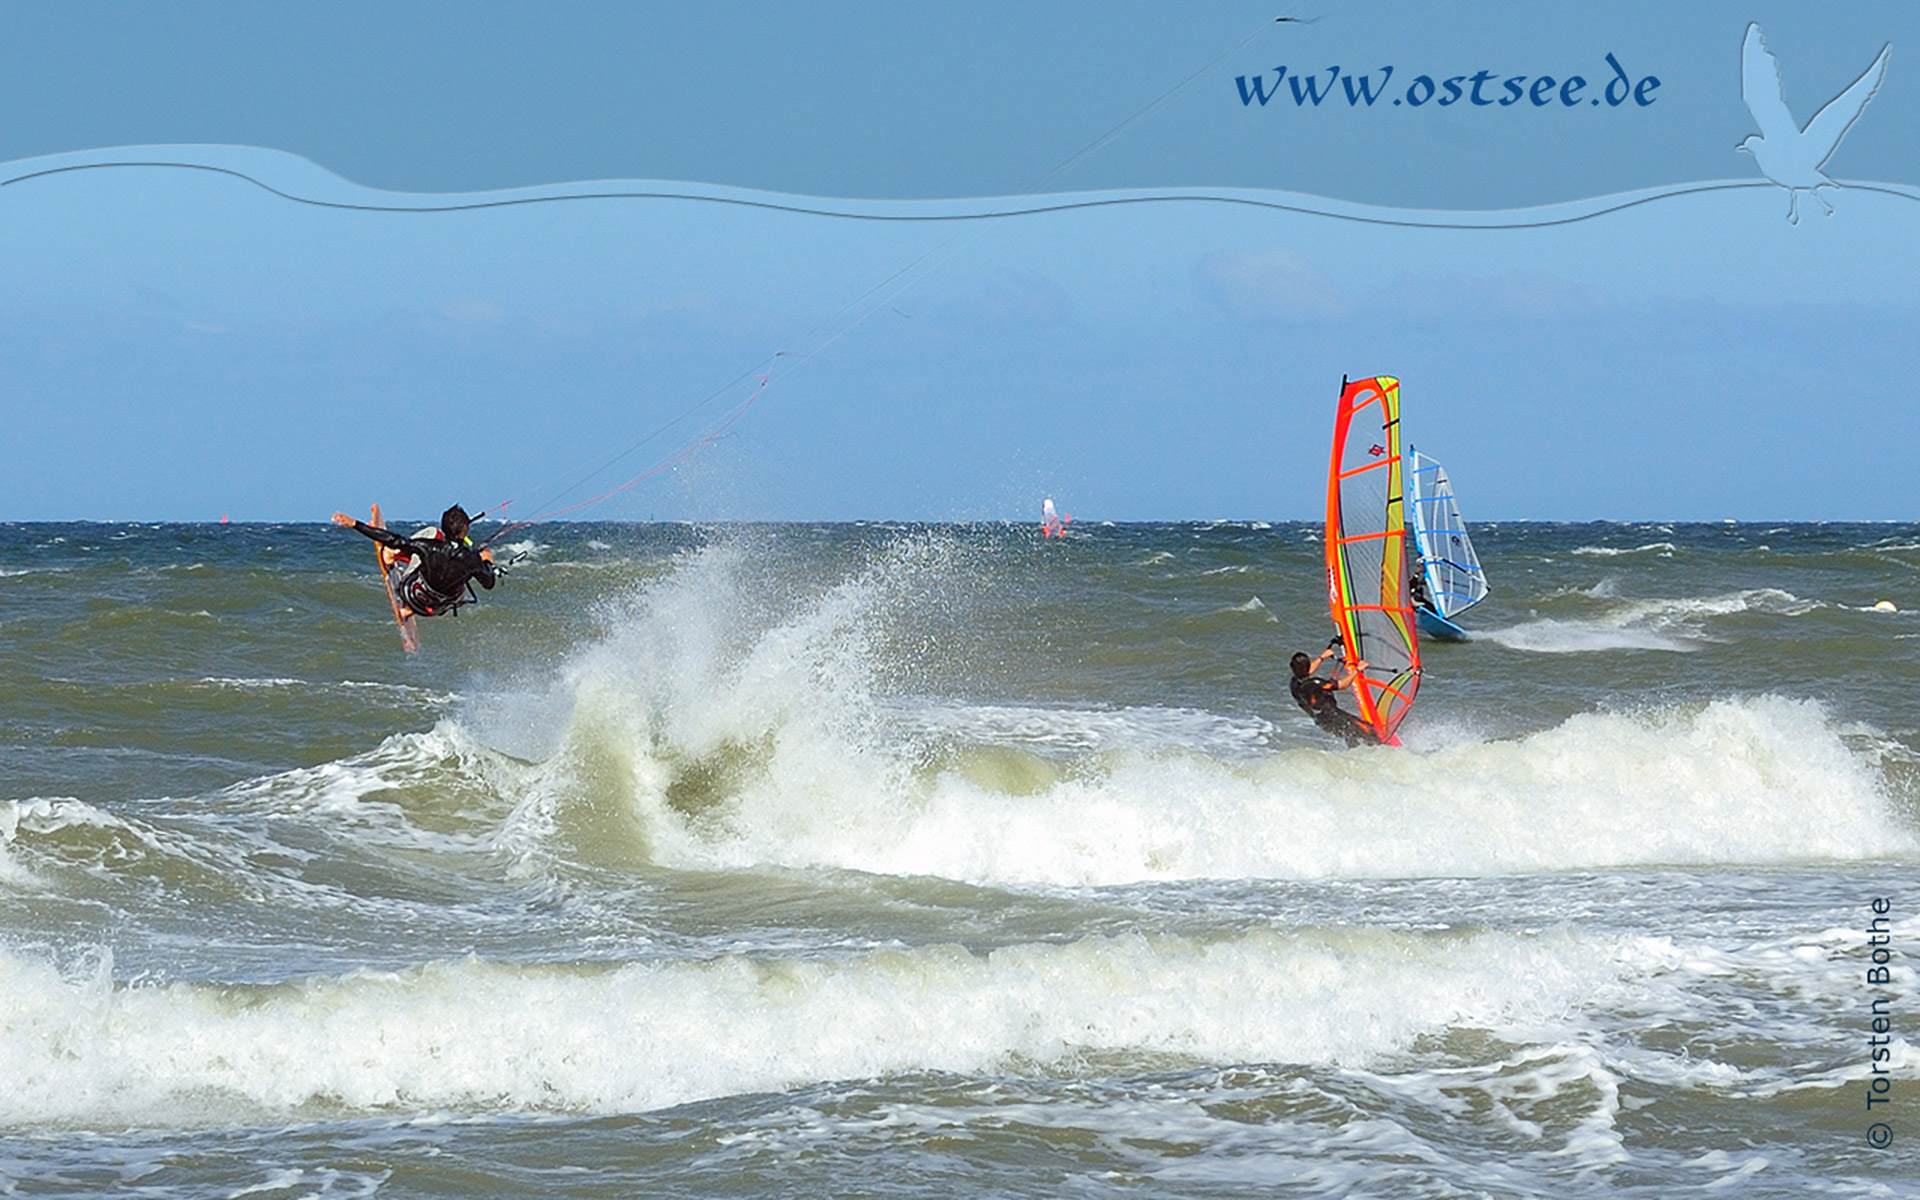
1526 295
1273 283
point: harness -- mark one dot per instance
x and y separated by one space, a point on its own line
427 600
1314 694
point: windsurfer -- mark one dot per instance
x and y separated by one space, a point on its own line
1417 587
1053 523
1317 697
438 579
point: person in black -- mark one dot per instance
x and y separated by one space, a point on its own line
439 579
1417 589
1318 698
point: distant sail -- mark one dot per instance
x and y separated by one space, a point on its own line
1453 574
1052 523
1368 557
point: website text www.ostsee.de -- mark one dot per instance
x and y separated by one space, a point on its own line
1613 88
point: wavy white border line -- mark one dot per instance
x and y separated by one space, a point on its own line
302 181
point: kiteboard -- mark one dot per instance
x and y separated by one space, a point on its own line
1368 556
409 627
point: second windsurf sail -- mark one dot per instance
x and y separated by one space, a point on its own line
1448 564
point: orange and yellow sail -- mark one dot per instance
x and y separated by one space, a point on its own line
1368 553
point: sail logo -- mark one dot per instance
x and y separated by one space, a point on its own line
1482 89
1376 450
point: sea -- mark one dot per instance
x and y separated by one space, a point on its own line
951 860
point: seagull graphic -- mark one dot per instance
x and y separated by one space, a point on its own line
1789 155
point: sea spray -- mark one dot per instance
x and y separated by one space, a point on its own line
702 737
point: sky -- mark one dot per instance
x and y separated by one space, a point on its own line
247 277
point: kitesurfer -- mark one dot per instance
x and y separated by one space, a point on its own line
1318 697
435 573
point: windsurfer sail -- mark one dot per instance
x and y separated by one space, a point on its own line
1449 573
1368 559
1053 523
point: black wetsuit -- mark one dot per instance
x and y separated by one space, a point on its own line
437 580
1417 591
1317 697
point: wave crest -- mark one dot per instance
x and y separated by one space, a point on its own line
698 739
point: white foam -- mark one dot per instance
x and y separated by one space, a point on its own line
22 822
347 793
1756 781
1663 549
46 814
1090 730
710 732
1768 600
1519 1093
1551 636
472 1035
1255 605
270 683
276 683
1672 624
13 873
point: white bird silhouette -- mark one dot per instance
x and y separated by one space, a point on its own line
1787 154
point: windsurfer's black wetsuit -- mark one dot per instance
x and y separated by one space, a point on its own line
1316 696
437 580
1417 591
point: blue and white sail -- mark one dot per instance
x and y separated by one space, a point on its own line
1448 565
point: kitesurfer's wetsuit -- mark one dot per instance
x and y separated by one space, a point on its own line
1317 697
437 580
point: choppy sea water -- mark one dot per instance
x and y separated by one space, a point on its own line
950 860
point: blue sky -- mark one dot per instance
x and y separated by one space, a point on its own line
179 344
